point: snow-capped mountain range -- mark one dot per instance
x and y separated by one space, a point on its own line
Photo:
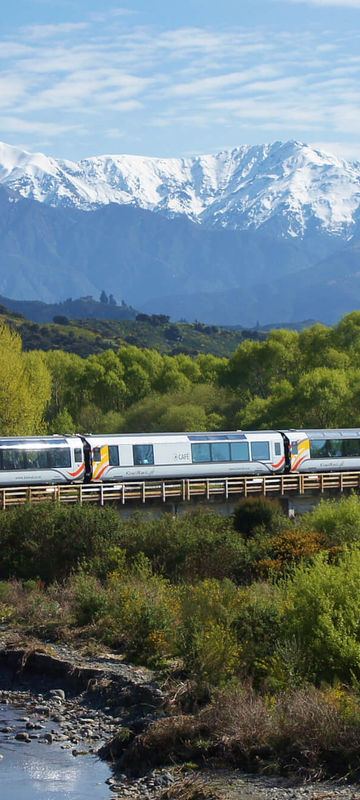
286 189
267 232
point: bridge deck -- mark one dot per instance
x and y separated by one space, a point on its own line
182 490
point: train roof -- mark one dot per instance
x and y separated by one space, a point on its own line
192 436
326 433
56 440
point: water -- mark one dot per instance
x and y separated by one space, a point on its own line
38 771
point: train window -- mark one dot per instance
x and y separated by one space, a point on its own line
36 459
239 451
277 449
200 453
220 451
351 448
318 448
260 451
78 455
12 459
295 448
59 457
143 454
114 455
55 457
97 454
334 448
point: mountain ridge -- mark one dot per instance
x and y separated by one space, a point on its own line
256 249
286 189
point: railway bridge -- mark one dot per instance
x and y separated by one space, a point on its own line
298 492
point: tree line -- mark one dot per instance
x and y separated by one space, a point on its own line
306 379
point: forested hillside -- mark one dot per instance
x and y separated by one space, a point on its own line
311 378
86 336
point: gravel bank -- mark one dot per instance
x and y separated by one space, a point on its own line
81 702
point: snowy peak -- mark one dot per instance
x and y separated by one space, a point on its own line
284 188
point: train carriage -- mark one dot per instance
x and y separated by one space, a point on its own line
323 450
184 455
41 460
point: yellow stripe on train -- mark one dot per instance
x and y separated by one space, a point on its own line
104 452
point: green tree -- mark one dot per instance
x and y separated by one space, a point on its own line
38 383
322 397
322 608
256 365
275 411
184 418
68 384
24 387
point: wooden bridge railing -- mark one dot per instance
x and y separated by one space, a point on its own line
181 490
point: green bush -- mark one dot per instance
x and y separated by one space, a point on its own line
48 541
252 513
190 547
337 520
205 638
258 628
90 599
142 612
321 610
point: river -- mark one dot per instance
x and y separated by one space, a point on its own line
39 771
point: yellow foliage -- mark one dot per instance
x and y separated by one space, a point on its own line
24 387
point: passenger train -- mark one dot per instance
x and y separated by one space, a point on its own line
144 456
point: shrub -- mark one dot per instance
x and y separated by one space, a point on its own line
337 520
89 599
312 733
143 610
50 541
206 640
285 549
31 605
258 628
189 547
321 609
190 787
303 731
253 512
170 739
240 719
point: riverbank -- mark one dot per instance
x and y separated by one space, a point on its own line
98 704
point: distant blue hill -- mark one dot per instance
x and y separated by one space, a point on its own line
171 266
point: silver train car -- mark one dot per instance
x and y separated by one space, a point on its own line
40 460
122 457
183 455
321 450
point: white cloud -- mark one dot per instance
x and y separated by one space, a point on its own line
114 133
333 3
218 82
100 87
49 31
122 12
348 151
19 125
12 89
108 67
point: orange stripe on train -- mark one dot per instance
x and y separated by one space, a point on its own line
99 474
298 462
279 464
78 471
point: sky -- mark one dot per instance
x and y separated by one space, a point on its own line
173 78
